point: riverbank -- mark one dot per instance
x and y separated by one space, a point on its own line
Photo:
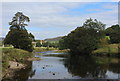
14 59
108 50
41 49
111 50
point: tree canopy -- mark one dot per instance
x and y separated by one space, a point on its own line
114 33
18 21
18 35
94 24
84 39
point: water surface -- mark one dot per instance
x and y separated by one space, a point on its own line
79 67
74 67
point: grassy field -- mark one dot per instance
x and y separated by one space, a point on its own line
111 49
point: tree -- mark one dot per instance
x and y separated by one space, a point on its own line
18 35
84 39
19 39
18 21
38 44
31 36
114 33
94 24
62 44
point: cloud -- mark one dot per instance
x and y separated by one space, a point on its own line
110 6
57 19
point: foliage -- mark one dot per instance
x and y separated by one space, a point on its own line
94 24
104 41
83 40
18 35
19 39
38 44
50 44
114 33
18 21
61 44
31 36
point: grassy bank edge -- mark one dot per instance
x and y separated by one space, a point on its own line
20 56
13 55
108 50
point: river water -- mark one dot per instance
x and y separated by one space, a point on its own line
70 68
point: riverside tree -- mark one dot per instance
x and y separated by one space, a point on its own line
114 33
84 39
18 35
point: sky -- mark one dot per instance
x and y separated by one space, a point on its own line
53 19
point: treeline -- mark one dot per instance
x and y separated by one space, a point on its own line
48 44
89 37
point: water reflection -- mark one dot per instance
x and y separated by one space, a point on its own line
22 74
70 68
93 67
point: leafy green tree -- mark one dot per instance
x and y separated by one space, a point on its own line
18 21
46 44
94 24
62 44
18 35
38 44
114 33
19 39
84 39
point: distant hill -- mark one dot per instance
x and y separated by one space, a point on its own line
2 38
54 40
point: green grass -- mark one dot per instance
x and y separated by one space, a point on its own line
111 49
13 54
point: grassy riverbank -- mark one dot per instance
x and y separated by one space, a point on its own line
108 50
18 55
13 56
41 49
14 59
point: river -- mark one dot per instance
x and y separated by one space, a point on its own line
79 67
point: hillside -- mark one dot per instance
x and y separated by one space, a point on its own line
56 39
1 38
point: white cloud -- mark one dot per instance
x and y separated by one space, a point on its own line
49 15
110 6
